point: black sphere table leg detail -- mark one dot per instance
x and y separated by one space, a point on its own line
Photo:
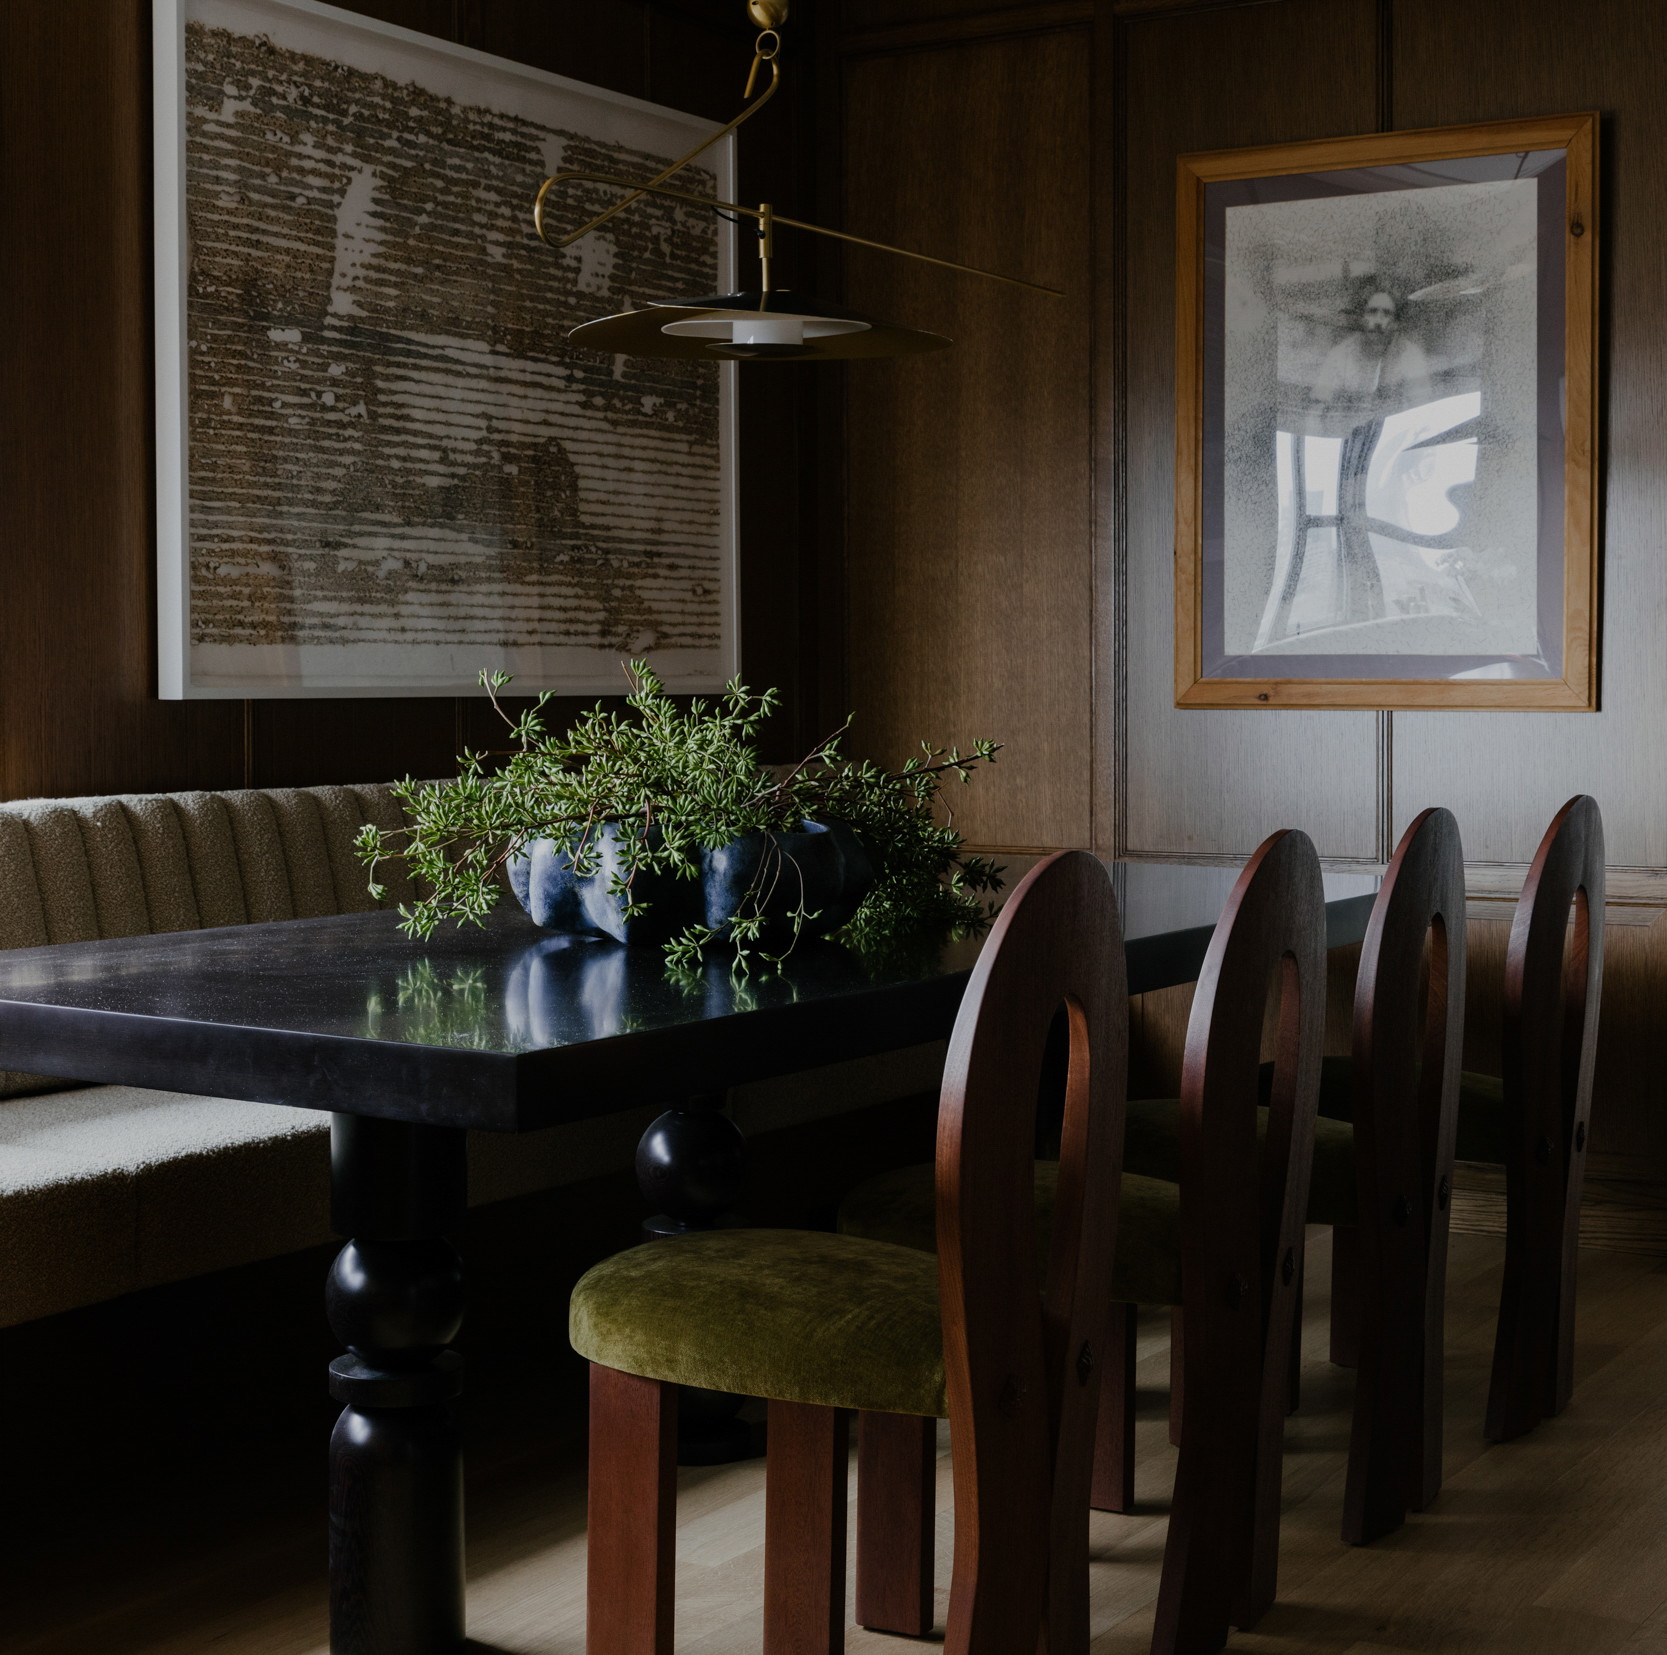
692 1167
395 1297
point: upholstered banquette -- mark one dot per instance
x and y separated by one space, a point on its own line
105 1189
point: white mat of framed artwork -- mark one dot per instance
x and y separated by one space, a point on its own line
381 469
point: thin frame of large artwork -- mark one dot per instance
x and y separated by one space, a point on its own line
1537 647
508 92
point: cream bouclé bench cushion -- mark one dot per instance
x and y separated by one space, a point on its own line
105 1189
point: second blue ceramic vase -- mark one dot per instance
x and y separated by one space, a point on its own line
822 868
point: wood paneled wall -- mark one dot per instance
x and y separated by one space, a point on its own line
1009 507
78 712
975 544
1206 782
994 510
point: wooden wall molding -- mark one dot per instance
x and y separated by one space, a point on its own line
1173 8
1044 17
1624 887
1485 882
1108 443
1038 17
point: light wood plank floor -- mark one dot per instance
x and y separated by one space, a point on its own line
1555 1545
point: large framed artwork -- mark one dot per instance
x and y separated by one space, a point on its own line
1386 440
381 469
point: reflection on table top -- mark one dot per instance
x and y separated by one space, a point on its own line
508 1026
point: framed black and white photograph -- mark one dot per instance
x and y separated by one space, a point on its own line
1385 447
381 468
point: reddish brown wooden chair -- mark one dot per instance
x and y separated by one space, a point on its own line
825 1323
1553 983
1241 1239
1384 1182
1233 1240
1532 1120
1407 1047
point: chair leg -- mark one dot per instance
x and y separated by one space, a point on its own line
1523 1389
1429 1415
1293 1390
1206 1552
1345 1296
897 1475
1177 1375
1113 1485
1256 1596
1386 1440
806 1477
1562 1379
632 1514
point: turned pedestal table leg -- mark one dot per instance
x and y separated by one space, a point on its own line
395 1298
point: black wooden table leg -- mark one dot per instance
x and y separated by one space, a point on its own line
692 1168
395 1298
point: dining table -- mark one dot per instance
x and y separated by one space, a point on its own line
409 1043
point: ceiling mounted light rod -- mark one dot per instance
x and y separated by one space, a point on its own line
767 218
761 55
769 323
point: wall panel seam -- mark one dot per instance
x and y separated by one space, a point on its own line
1386 785
1386 719
1119 456
1163 10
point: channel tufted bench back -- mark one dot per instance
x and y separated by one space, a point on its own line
76 870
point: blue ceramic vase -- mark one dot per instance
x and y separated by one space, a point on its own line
823 867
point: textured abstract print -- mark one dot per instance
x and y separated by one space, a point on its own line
398 469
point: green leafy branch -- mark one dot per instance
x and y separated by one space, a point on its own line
666 783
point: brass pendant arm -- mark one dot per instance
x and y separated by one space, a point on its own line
925 258
640 190
764 215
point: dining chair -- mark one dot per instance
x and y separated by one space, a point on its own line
1218 1244
1533 1120
820 1323
1553 987
1406 1050
1383 1172
1407 1046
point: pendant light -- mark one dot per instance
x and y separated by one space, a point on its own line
768 323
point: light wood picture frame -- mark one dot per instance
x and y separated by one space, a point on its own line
1386 421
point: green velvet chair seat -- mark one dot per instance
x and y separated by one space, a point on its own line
1481 1134
1152 1148
899 1207
796 1315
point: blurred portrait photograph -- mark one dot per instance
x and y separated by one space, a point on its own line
1380 422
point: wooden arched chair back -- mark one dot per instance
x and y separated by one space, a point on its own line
1553 984
1407 1051
1241 1239
1023 1368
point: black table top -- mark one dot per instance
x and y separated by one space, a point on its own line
508 1027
